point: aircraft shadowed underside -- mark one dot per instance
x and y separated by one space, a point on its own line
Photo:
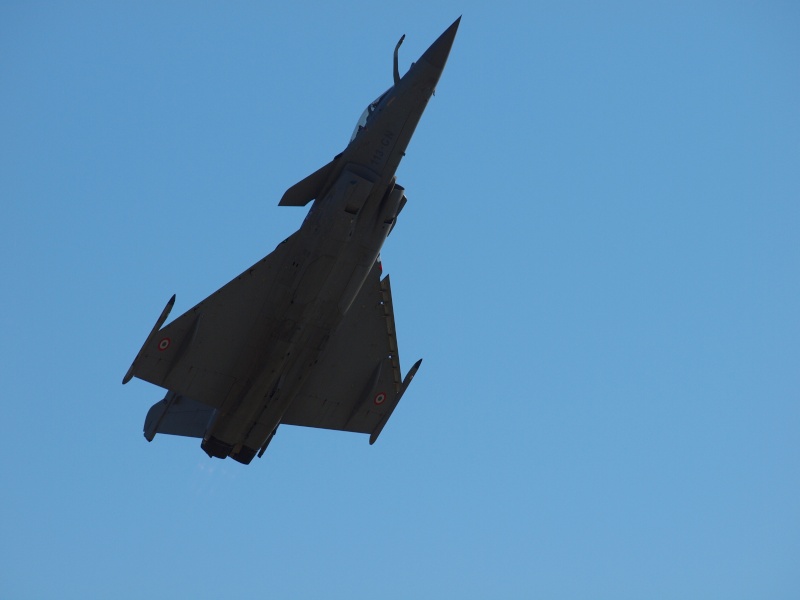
305 336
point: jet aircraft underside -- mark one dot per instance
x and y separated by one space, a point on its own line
306 336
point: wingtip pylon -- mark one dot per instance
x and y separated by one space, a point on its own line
151 335
406 382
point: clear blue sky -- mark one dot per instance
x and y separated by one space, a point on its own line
598 262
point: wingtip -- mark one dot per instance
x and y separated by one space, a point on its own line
161 318
411 372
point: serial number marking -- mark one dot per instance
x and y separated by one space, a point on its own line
380 152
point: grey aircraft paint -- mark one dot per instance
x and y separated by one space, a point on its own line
305 336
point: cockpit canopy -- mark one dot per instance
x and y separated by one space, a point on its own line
364 119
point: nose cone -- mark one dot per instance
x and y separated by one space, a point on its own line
437 54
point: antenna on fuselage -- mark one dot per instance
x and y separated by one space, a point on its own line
396 70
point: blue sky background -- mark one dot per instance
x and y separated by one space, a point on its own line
598 262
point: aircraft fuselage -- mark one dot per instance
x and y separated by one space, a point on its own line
334 250
253 355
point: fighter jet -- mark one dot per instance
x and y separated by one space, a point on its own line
305 336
